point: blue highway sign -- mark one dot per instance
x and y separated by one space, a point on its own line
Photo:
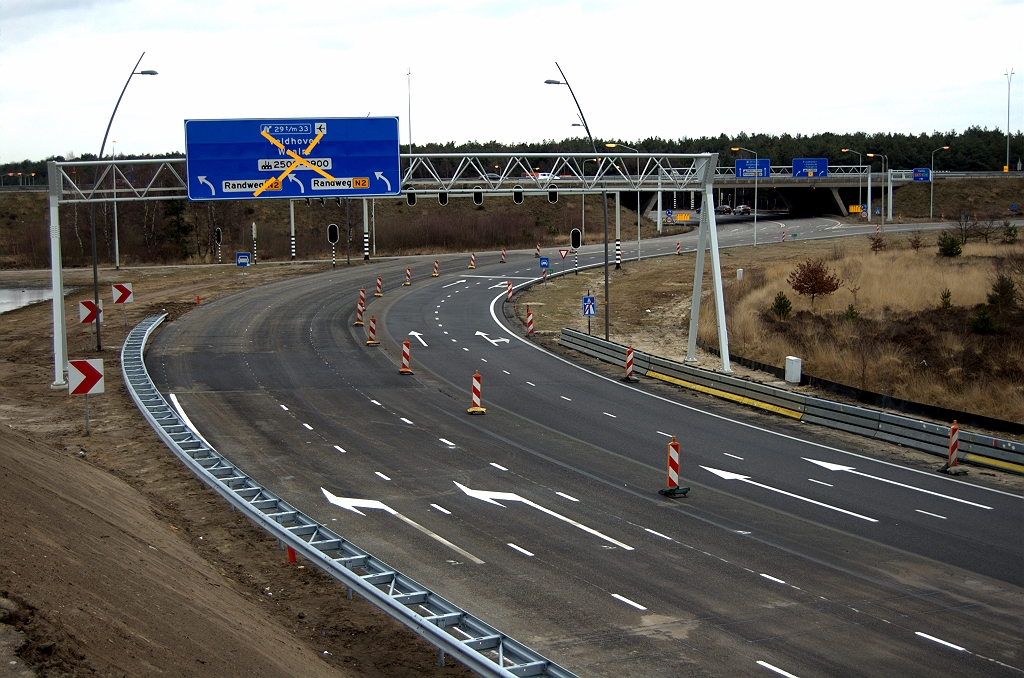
668 213
810 167
922 174
241 258
545 262
589 306
292 158
748 169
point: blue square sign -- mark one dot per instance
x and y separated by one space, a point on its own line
589 306
292 158
545 262
241 258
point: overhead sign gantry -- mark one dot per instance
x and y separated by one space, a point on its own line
292 158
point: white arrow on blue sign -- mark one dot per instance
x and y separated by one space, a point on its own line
589 306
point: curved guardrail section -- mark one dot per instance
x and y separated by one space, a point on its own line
476 644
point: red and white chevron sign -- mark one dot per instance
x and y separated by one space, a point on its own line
122 293
85 377
87 311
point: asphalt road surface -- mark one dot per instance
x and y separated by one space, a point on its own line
789 556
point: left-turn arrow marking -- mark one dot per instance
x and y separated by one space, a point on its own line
380 175
202 180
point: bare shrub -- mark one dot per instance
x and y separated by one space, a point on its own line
813 278
916 241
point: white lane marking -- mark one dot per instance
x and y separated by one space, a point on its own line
732 455
667 435
338 448
284 407
934 515
520 549
609 414
483 359
352 504
627 601
713 415
506 372
463 348
498 466
447 442
657 534
381 475
727 475
457 282
531 383
776 669
441 509
850 469
308 427
376 403
407 421
771 578
446 332
565 496
490 497
564 398
940 641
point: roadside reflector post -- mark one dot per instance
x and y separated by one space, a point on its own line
380 287
508 284
434 274
503 255
629 367
475 408
673 489
405 358
537 253
408 277
371 339
529 320
360 307
679 247
472 260
952 466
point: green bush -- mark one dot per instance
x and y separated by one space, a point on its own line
1010 233
781 307
1003 297
851 314
983 321
949 245
946 303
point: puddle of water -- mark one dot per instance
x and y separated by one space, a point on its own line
12 299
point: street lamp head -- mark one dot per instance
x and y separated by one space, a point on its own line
736 149
845 150
945 148
610 145
553 82
146 72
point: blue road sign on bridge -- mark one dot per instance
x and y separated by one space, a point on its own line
292 158
810 167
922 174
589 306
748 169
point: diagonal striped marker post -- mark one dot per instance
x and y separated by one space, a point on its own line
405 369
502 255
475 408
954 448
434 274
371 339
629 367
673 489
508 284
472 260
408 277
529 320
360 307
380 287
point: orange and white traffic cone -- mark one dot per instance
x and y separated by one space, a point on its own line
371 339
537 253
434 274
472 261
508 284
529 321
380 287
502 255
476 408
360 307
408 277
405 358
629 367
673 488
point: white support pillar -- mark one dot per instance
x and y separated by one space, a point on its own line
716 275
890 194
60 348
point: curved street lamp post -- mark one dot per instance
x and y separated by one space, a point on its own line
604 194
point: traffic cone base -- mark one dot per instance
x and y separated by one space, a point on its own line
674 491
477 410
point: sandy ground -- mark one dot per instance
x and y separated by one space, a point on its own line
116 561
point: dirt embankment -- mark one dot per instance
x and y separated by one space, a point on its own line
116 561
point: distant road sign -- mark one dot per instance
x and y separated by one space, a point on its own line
290 158
122 293
1013 207
563 253
748 169
668 213
85 377
589 306
242 258
545 262
810 167
922 174
87 311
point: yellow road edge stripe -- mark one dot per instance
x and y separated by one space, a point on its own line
308 164
1009 466
728 396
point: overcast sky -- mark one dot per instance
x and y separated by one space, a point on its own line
640 69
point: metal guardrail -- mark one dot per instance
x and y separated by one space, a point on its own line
982 450
476 644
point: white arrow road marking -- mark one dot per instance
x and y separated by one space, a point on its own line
727 475
380 175
419 337
490 497
355 504
496 286
202 180
493 342
302 189
450 284
850 469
